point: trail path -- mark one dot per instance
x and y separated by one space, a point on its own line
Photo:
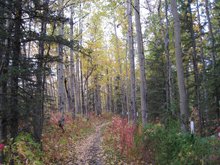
89 150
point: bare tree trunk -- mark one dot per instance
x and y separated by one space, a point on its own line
53 90
82 90
78 85
72 75
86 97
180 71
97 97
108 92
132 64
60 67
111 96
121 109
99 100
78 102
67 84
127 81
50 94
140 48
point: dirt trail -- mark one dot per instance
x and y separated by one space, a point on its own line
89 150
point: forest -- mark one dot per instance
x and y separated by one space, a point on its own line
109 82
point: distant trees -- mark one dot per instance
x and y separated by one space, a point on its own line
174 81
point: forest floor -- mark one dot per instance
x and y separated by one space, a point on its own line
89 151
110 140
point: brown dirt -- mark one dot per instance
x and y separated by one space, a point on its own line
89 151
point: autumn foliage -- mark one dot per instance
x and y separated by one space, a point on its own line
2 146
56 116
123 133
59 145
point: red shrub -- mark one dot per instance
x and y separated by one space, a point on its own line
124 134
2 146
56 116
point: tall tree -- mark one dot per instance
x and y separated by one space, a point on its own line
97 101
140 49
195 66
15 65
60 66
215 61
180 71
5 56
169 91
201 41
72 75
39 108
131 58
120 106
78 77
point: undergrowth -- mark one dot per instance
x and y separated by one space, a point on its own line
57 146
170 146
158 144
23 150
118 140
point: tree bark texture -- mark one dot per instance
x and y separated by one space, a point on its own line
131 59
60 68
180 71
72 75
140 49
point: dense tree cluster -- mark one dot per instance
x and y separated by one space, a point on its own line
28 40
148 61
